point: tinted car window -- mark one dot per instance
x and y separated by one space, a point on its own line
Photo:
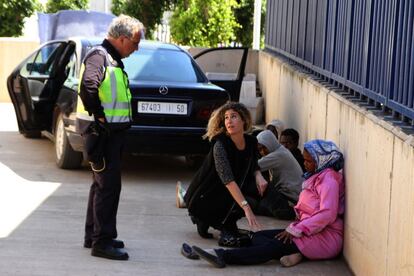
160 65
41 63
25 70
72 79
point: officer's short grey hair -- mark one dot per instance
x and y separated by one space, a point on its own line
125 25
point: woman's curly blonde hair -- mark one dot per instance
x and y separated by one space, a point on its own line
216 125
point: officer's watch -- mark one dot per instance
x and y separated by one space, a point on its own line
244 203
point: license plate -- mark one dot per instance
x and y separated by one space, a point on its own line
162 108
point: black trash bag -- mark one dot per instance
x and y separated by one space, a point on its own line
95 141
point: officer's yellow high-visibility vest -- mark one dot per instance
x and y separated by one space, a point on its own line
114 94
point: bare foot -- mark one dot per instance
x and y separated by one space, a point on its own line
291 260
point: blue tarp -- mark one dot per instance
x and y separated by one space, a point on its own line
70 23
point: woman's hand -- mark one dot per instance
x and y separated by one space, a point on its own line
285 236
239 198
261 183
251 219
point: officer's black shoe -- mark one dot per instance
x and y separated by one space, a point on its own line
109 252
115 244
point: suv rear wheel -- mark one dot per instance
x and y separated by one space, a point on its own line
66 157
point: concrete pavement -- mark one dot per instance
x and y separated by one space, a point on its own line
42 212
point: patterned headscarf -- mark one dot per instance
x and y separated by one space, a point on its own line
326 155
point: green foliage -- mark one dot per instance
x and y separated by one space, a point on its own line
53 6
205 23
244 16
12 15
149 12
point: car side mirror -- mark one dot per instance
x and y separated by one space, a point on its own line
36 67
31 67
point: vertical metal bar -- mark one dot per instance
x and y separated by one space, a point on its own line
313 31
333 35
383 62
352 69
341 41
267 27
324 23
358 44
348 37
389 50
410 91
338 40
401 49
272 27
284 25
380 58
289 27
407 57
295 23
366 43
374 50
397 77
276 26
302 28
320 34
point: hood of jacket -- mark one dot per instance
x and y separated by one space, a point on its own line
268 139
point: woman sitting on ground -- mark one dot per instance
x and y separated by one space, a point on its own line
229 178
318 231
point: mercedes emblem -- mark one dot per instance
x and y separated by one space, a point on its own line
163 90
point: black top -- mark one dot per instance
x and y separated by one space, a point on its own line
207 197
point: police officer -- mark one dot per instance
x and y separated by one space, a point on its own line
103 116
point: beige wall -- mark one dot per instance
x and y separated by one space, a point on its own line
12 52
379 166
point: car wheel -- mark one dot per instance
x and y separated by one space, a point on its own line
66 157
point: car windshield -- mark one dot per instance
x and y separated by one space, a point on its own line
160 65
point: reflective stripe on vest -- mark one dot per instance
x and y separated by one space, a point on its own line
114 95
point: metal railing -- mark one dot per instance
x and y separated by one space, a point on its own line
365 46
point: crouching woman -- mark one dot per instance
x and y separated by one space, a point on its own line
229 178
318 231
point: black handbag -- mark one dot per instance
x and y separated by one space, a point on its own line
241 239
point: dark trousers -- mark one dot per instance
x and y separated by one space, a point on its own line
104 194
265 247
275 204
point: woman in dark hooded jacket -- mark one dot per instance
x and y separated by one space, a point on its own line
229 178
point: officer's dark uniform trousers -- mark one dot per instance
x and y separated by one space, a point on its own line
104 194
